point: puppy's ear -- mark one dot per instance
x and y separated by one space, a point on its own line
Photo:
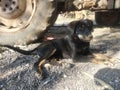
90 22
72 24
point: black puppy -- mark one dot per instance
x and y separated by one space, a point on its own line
67 47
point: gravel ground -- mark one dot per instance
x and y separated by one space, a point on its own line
17 71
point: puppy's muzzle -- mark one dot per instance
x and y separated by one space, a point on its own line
90 37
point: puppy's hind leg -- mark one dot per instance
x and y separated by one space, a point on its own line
40 65
42 61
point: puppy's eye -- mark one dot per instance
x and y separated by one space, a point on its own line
83 26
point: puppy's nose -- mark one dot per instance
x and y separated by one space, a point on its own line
90 36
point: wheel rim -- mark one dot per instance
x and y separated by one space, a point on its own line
16 15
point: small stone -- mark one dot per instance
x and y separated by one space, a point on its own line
116 81
64 75
0 56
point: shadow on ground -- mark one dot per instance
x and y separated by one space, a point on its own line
107 39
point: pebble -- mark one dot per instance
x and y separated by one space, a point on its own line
64 75
0 56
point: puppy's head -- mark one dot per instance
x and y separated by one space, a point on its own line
83 30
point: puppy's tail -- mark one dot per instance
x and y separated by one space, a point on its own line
30 52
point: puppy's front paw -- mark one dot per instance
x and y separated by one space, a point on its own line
102 59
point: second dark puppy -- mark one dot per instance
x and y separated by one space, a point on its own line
67 47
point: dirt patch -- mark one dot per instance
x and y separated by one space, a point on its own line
17 71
